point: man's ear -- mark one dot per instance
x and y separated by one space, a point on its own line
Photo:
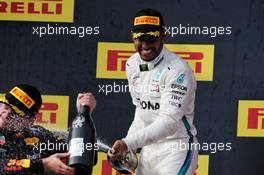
163 35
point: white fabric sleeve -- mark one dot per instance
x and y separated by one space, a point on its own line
137 123
178 91
129 74
161 128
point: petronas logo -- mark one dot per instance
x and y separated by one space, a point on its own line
180 79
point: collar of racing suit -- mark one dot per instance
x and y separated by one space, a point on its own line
10 133
149 65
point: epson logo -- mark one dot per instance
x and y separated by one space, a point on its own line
180 87
150 106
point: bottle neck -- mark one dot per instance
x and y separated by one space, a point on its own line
85 110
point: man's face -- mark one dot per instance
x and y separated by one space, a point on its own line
5 111
10 121
148 47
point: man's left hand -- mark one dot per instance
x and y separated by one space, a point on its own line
119 150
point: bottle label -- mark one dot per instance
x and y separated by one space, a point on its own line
76 147
78 123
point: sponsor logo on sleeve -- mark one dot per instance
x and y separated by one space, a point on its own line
180 79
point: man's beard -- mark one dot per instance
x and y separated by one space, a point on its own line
16 123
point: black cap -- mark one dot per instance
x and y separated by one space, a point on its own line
23 99
147 22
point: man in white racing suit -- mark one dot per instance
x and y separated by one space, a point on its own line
162 87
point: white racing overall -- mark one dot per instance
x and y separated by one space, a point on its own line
163 91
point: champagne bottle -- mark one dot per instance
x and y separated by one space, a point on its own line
127 165
82 143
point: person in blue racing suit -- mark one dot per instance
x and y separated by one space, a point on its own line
20 151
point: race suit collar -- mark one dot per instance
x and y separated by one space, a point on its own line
149 65
7 133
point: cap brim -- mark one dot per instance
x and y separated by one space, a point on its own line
16 109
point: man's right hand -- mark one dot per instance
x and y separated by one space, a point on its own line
118 151
87 99
54 164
